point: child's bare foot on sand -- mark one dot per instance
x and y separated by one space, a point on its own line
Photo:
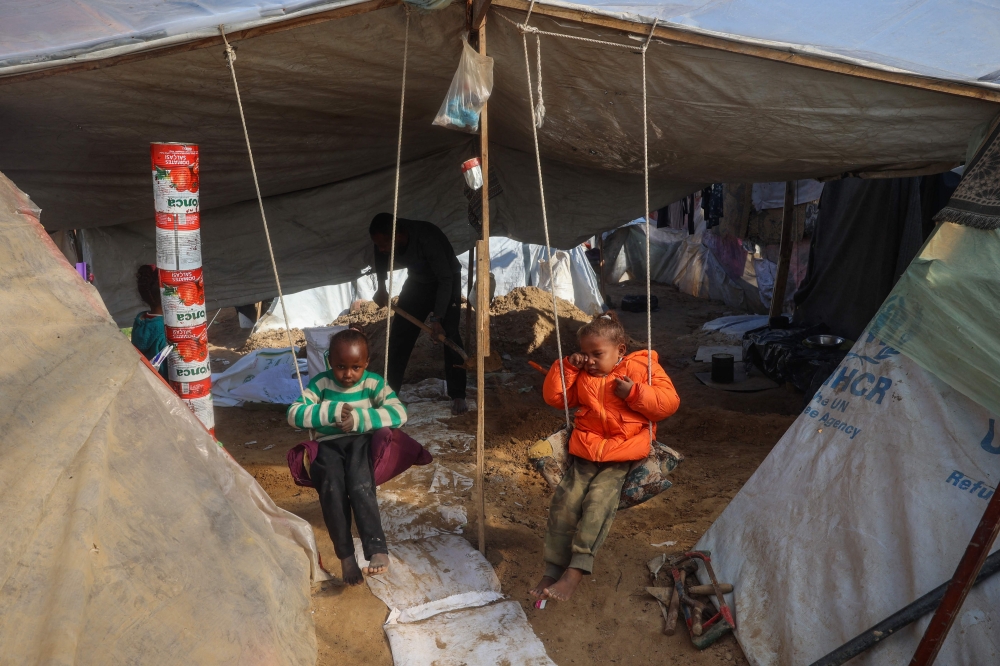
566 585
350 571
378 564
539 591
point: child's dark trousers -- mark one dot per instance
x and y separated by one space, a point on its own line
345 481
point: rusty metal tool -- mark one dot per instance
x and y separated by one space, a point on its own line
493 363
727 615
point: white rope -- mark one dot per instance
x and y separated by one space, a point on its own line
645 176
524 27
545 224
395 193
540 107
231 58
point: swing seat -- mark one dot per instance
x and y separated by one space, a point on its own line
646 478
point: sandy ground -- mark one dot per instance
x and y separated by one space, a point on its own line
724 437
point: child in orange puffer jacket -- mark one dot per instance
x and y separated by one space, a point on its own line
611 430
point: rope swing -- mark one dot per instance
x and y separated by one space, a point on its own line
395 192
537 117
231 59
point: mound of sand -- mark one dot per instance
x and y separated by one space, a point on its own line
273 339
522 323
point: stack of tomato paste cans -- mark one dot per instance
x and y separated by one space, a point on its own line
178 258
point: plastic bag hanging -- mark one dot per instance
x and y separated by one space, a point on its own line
470 88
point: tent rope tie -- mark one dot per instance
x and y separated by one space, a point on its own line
524 27
535 125
645 175
545 225
230 59
395 192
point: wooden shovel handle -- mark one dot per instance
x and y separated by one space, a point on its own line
440 338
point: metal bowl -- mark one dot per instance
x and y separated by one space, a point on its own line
824 341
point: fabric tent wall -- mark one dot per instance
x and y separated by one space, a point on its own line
866 235
129 534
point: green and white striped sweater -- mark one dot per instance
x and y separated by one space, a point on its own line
319 408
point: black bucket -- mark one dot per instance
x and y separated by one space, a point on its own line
723 366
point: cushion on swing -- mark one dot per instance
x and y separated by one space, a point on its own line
646 478
392 452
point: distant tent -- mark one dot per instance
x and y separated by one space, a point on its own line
129 535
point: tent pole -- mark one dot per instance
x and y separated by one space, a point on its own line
471 271
483 314
963 580
784 253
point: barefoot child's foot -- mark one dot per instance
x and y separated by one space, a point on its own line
378 564
565 586
350 571
539 591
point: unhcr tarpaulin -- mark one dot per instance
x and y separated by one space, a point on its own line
871 497
734 96
129 535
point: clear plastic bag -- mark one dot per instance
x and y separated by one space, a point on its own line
469 90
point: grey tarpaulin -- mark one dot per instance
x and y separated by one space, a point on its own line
322 103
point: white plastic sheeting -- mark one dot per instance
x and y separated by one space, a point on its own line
263 375
129 535
939 38
865 504
445 604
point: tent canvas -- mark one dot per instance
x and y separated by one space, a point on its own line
870 498
717 113
125 524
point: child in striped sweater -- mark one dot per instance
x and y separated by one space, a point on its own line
344 405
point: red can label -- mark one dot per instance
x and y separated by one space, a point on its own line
178 221
178 335
198 389
175 278
183 304
176 177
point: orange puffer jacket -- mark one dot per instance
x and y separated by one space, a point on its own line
607 428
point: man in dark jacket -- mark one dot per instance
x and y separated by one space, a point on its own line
433 287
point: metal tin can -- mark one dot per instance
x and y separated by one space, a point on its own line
202 408
188 369
178 250
179 277
178 221
176 177
183 304
188 390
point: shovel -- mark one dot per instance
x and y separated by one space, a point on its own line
491 363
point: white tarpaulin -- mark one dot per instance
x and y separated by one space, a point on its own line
263 375
865 504
129 535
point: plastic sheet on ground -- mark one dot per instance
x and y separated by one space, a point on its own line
494 635
865 504
444 598
431 576
129 535
735 325
263 375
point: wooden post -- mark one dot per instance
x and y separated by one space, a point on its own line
784 252
963 580
472 269
600 265
483 315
